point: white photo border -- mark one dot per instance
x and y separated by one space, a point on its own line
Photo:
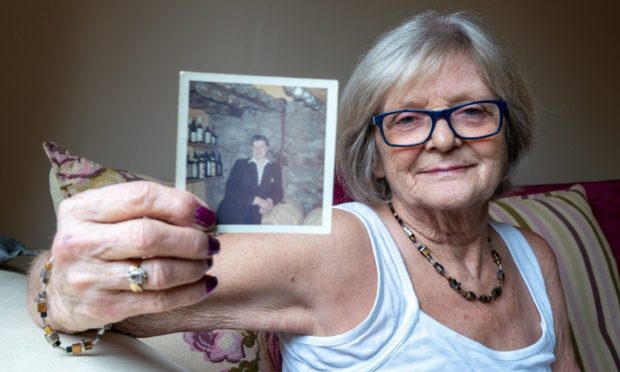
330 143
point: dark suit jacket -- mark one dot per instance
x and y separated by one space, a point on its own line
241 188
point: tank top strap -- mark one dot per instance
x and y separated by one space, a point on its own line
527 264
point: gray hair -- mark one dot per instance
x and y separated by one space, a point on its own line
415 50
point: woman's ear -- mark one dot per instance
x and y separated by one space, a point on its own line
377 166
377 161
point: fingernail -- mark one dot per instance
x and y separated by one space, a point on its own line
210 283
214 245
204 217
209 263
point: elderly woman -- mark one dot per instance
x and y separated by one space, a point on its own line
413 276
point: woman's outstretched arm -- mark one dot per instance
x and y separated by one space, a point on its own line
282 282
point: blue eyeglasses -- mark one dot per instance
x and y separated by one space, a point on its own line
468 121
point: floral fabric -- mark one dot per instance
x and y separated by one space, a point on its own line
235 347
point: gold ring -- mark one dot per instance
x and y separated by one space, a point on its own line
136 276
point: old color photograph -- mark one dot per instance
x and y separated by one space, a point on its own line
259 150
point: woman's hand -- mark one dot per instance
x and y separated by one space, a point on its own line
100 232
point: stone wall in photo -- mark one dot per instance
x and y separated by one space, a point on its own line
297 143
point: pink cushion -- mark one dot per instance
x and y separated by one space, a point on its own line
340 195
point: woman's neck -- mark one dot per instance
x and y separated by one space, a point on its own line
456 235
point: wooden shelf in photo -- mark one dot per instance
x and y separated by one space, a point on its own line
196 180
201 145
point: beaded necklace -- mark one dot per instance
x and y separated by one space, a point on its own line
455 284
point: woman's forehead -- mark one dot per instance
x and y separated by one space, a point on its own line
454 80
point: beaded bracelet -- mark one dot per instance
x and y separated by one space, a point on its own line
50 334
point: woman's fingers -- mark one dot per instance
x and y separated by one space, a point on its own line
100 232
161 273
131 304
143 237
97 307
134 200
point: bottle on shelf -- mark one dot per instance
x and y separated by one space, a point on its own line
213 137
192 130
208 164
196 165
200 130
203 166
218 167
202 161
207 158
207 135
212 164
189 169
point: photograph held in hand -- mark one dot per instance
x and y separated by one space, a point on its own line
259 150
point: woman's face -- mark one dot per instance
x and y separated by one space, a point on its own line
445 172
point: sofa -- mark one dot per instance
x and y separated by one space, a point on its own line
580 221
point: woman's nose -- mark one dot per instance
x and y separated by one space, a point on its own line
443 138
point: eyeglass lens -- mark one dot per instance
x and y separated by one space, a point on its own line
470 121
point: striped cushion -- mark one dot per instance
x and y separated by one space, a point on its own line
587 268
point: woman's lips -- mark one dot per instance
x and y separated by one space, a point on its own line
446 169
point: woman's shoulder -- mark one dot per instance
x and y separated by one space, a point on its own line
543 251
347 223
357 210
549 267
540 247
346 276
351 244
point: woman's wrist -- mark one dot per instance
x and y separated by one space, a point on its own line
41 303
34 285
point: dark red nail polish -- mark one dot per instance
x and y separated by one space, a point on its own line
210 283
204 217
214 245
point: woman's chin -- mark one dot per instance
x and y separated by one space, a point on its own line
452 198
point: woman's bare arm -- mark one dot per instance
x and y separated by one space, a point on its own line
294 283
279 282
564 352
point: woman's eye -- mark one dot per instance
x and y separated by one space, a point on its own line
406 119
471 111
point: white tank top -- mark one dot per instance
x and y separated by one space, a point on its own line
397 336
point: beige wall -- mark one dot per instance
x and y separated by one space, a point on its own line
100 78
